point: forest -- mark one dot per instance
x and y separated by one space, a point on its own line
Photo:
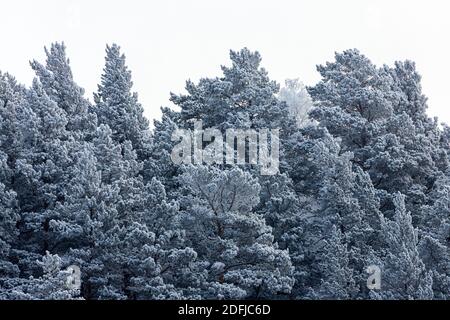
88 187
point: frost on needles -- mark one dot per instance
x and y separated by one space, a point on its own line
363 180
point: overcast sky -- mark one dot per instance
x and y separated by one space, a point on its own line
169 41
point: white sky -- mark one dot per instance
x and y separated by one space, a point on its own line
169 41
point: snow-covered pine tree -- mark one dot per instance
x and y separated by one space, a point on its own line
243 98
162 248
159 163
42 174
341 211
434 245
8 235
118 107
234 243
17 136
71 192
403 273
299 101
337 279
379 114
141 247
53 284
57 80
246 98
160 260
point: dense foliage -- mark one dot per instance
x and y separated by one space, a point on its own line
363 181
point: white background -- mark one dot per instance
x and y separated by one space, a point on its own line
169 41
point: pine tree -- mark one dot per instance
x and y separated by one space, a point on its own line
243 98
8 235
117 107
379 113
17 135
332 193
404 275
88 186
57 80
42 175
336 280
159 164
340 214
52 285
434 246
299 101
241 260
163 266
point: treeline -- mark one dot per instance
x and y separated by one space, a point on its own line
363 181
